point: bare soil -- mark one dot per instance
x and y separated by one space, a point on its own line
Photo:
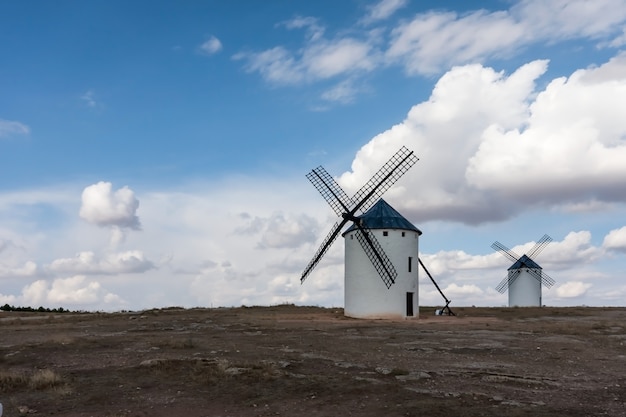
293 361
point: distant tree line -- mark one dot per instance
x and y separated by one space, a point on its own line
7 307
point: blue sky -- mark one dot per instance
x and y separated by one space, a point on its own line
154 154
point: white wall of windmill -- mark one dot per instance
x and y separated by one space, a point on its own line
366 295
525 290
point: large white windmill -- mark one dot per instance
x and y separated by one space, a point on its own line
381 264
364 296
525 277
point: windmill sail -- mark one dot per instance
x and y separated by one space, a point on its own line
386 176
328 241
508 281
508 253
330 190
377 256
542 277
539 246
347 208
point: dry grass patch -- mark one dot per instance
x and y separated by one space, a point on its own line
10 381
40 379
44 379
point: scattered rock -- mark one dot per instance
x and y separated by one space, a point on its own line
24 409
413 376
384 371
153 362
235 371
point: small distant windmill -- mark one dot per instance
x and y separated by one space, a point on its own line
380 244
525 276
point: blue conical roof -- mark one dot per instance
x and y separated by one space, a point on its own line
382 216
525 262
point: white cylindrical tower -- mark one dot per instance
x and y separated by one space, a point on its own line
525 290
366 295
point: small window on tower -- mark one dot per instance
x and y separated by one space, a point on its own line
410 263
385 233
403 233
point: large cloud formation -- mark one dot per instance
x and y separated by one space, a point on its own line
571 145
104 207
491 144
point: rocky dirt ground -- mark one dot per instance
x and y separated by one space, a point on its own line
295 361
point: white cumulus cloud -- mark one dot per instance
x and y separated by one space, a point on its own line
75 291
465 102
572 289
27 269
458 291
572 144
492 144
616 240
211 46
104 207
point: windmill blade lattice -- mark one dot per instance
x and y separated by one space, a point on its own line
514 257
547 280
330 190
507 281
328 241
542 277
386 176
347 208
377 256
539 246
